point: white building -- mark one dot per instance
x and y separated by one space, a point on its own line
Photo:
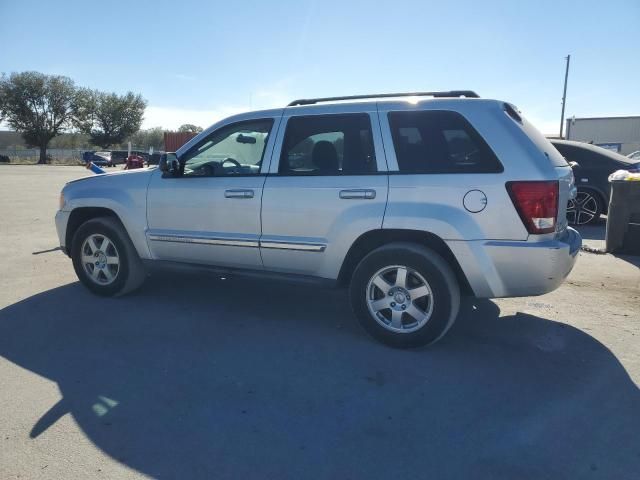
620 134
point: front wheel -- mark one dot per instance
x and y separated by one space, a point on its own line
104 258
405 295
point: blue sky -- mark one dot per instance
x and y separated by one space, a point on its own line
199 61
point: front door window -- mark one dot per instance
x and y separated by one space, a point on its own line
234 150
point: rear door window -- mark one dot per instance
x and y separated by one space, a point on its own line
328 145
439 142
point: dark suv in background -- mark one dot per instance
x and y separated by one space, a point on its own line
592 166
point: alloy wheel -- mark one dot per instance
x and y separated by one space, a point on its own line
399 299
100 259
583 209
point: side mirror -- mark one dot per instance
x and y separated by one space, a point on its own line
169 165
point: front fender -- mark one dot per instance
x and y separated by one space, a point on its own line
124 195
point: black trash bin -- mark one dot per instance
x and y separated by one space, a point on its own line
623 218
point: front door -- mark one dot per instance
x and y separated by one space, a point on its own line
210 212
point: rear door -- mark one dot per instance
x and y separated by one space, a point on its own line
326 187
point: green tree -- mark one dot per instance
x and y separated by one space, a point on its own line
70 140
190 128
38 106
109 118
151 137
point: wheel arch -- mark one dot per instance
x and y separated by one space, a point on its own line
373 239
80 215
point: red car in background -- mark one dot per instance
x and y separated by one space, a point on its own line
134 161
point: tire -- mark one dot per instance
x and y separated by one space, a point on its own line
586 208
106 277
440 304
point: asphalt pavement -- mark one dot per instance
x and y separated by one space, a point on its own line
204 377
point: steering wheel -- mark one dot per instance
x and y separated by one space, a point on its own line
208 170
232 160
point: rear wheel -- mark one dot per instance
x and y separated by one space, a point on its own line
405 295
585 208
104 258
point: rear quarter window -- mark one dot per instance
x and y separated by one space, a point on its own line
439 142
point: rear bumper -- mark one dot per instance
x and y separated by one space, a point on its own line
517 269
62 218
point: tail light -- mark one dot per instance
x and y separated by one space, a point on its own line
536 203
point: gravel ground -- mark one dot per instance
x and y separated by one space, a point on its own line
190 378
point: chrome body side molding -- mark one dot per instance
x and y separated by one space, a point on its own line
232 242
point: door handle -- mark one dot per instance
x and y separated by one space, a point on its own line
241 193
366 194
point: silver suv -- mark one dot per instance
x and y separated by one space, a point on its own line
410 200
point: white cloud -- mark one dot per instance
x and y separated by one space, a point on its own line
547 127
171 118
538 115
272 96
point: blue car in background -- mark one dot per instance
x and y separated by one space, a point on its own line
101 159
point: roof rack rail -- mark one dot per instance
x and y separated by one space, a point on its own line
449 94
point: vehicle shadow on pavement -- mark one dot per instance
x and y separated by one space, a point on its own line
196 377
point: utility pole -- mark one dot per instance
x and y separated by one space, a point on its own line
564 95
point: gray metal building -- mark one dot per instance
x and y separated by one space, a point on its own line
620 134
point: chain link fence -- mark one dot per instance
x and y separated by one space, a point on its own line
31 155
56 156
